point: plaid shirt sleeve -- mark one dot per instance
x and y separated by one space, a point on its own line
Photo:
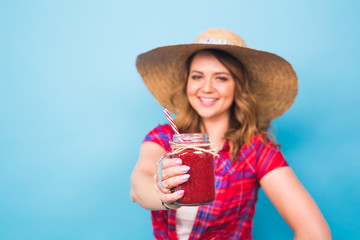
268 158
161 135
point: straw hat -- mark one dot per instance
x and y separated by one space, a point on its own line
273 81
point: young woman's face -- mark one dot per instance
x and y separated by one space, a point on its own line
210 87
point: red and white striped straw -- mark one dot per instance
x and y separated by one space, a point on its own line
171 121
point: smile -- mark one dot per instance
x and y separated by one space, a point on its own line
207 101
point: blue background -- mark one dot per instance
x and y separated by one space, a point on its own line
74 110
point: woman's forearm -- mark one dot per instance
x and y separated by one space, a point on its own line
314 227
321 233
295 205
143 191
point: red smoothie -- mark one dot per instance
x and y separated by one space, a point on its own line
200 188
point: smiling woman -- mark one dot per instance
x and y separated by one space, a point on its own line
210 87
220 87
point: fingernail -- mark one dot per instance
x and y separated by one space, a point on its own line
180 192
184 168
185 176
177 161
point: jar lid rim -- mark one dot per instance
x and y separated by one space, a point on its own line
191 137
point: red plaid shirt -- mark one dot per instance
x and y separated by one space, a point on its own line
230 216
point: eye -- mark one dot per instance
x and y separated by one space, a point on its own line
195 77
222 79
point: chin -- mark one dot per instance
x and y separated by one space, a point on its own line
205 114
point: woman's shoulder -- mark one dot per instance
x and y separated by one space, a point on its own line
264 140
263 154
162 128
161 135
259 143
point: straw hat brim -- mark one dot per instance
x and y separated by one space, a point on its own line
273 80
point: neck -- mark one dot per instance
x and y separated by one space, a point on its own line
216 129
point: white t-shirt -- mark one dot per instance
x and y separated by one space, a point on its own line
185 218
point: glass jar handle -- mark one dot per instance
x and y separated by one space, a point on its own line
160 162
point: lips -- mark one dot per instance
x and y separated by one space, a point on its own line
206 101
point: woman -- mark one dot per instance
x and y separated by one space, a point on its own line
231 92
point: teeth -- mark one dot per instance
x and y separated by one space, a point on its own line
208 100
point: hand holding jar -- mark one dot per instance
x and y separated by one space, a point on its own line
185 176
169 174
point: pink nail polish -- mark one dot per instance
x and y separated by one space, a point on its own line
184 168
185 176
180 192
177 161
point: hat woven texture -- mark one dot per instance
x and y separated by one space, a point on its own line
273 81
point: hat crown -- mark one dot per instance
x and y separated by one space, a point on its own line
220 36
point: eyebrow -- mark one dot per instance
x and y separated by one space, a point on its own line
216 73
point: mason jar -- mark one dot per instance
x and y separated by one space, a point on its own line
195 151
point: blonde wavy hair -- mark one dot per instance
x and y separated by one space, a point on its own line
244 122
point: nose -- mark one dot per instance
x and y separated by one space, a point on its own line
207 85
